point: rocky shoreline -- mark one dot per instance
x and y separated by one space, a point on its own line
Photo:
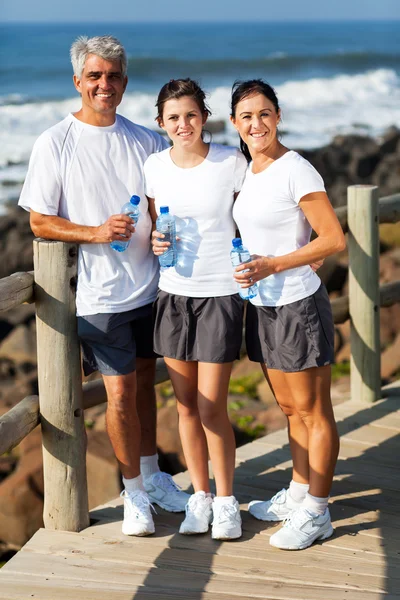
347 160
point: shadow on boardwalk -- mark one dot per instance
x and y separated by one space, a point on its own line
364 505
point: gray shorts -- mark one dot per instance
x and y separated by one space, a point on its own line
111 341
293 337
198 329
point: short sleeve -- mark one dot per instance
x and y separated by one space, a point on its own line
160 143
304 179
240 170
41 191
148 177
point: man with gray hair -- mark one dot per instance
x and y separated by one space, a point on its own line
81 172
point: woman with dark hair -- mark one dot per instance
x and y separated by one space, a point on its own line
289 325
198 313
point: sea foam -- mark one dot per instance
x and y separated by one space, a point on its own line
313 111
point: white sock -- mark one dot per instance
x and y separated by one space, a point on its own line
149 465
224 499
298 491
132 485
315 505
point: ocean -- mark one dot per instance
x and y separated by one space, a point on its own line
331 78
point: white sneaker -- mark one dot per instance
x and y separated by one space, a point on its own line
137 514
227 523
301 529
198 514
163 490
277 509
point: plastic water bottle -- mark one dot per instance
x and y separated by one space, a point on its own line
166 224
131 209
239 255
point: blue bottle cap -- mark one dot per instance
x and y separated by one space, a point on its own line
164 210
135 200
236 242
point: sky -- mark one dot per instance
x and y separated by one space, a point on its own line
103 11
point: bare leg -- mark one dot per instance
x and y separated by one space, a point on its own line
298 433
213 381
146 405
184 380
122 421
310 390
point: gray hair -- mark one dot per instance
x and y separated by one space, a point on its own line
105 46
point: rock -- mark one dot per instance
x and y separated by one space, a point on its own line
16 240
21 494
103 475
169 444
387 175
215 126
20 345
390 360
390 141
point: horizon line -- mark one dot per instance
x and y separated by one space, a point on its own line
208 22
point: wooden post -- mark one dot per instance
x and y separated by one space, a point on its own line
363 220
60 387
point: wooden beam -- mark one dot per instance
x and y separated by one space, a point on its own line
389 211
60 387
363 243
18 422
16 289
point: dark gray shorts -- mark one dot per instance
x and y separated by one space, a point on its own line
198 329
112 341
292 337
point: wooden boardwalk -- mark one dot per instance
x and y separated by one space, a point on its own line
360 562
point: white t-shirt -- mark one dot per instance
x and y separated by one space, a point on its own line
85 174
271 223
201 199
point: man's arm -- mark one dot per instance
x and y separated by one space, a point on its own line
49 227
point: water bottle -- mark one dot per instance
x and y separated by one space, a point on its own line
131 209
166 224
239 255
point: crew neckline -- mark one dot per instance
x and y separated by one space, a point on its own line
98 128
207 156
270 165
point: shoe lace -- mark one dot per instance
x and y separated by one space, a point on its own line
226 512
194 504
140 501
279 497
165 481
297 519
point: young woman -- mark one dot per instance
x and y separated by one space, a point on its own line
198 314
289 326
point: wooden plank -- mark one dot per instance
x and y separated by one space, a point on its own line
122 562
16 289
62 589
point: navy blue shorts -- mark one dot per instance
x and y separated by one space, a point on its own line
111 341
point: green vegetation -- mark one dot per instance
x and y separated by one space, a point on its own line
89 423
340 369
246 386
166 390
389 234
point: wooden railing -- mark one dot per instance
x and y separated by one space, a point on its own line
63 398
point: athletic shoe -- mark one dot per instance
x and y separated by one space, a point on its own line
198 514
137 514
163 490
301 529
227 523
277 509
